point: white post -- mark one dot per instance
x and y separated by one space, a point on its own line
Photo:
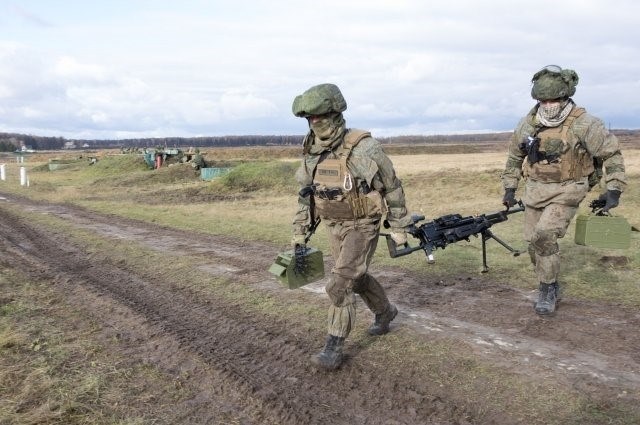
23 176
3 175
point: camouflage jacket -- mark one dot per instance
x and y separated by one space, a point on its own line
587 131
367 163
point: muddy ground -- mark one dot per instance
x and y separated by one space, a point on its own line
248 370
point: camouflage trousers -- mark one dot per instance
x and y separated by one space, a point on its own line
352 247
549 210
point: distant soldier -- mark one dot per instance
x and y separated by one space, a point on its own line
561 143
198 161
350 184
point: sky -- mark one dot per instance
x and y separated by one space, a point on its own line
115 69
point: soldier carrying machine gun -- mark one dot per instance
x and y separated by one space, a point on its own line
453 228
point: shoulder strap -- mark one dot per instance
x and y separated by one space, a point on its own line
351 139
575 113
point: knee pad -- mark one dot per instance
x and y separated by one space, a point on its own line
545 242
339 291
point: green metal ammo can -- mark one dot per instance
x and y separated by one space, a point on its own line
603 231
284 268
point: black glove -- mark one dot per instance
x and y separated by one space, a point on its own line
509 198
611 199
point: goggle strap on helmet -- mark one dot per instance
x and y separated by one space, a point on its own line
553 82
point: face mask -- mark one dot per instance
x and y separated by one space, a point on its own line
323 128
550 110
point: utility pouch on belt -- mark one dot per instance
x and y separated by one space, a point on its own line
369 205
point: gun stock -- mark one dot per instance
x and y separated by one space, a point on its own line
395 251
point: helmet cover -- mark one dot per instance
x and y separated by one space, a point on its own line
319 100
553 82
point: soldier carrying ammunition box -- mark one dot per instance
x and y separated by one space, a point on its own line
561 142
350 184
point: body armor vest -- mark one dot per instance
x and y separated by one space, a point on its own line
337 195
565 160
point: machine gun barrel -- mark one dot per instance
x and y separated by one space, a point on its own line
452 228
501 216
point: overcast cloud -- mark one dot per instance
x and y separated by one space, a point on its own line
108 69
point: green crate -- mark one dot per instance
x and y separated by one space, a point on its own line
213 172
603 231
284 268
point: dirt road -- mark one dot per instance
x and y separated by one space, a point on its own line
249 370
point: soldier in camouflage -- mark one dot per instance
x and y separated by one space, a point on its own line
561 142
350 185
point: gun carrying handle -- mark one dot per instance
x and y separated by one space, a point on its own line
520 207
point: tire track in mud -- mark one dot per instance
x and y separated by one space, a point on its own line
593 346
113 296
581 344
265 361
521 345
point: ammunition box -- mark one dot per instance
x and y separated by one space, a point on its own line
603 231
312 268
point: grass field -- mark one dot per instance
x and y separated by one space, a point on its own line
257 201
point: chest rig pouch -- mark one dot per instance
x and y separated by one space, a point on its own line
337 195
560 160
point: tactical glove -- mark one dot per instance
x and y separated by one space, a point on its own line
611 199
399 236
509 198
297 240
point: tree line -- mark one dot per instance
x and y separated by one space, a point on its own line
14 141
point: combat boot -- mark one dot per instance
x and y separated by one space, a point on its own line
547 298
381 325
330 358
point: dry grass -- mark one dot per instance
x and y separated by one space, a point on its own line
435 184
95 385
407 165
101 396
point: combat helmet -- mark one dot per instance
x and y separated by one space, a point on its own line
553 82
319 100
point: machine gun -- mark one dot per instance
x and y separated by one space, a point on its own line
453 228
